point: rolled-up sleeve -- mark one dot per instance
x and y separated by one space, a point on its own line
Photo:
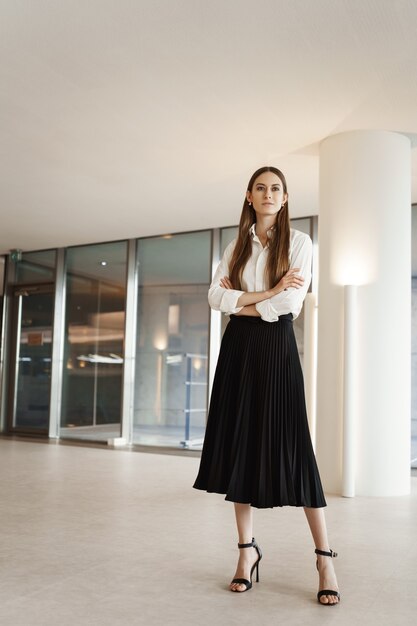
220 298
291 299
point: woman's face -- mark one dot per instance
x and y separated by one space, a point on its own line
267 195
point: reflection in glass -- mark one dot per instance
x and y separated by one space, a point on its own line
94 341
171 359
36 267
34 351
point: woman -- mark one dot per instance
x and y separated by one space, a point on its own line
257 447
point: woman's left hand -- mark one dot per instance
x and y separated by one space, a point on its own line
225 282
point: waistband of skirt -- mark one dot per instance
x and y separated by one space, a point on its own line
255 319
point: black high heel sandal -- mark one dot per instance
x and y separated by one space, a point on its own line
326 592
248 583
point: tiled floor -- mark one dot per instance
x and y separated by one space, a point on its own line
109 537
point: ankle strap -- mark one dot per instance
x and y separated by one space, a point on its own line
247 545
324 553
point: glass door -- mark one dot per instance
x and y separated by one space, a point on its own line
31 356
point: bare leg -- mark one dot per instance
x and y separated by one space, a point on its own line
317 523
247 556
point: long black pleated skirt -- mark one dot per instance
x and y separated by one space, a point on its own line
257 447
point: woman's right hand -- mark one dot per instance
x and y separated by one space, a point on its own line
290 279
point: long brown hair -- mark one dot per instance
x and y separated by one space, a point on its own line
278 262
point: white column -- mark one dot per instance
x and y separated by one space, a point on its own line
365 240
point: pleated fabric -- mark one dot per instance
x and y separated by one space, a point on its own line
257 446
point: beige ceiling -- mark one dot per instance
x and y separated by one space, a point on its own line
127 118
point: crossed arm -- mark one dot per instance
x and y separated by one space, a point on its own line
248 309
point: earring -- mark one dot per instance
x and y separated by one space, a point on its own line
250 203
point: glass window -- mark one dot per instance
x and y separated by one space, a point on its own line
172 339
414 336
94 341
227 235
36 267
31 378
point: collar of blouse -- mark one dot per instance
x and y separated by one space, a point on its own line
253 233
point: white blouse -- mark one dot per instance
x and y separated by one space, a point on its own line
288 301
